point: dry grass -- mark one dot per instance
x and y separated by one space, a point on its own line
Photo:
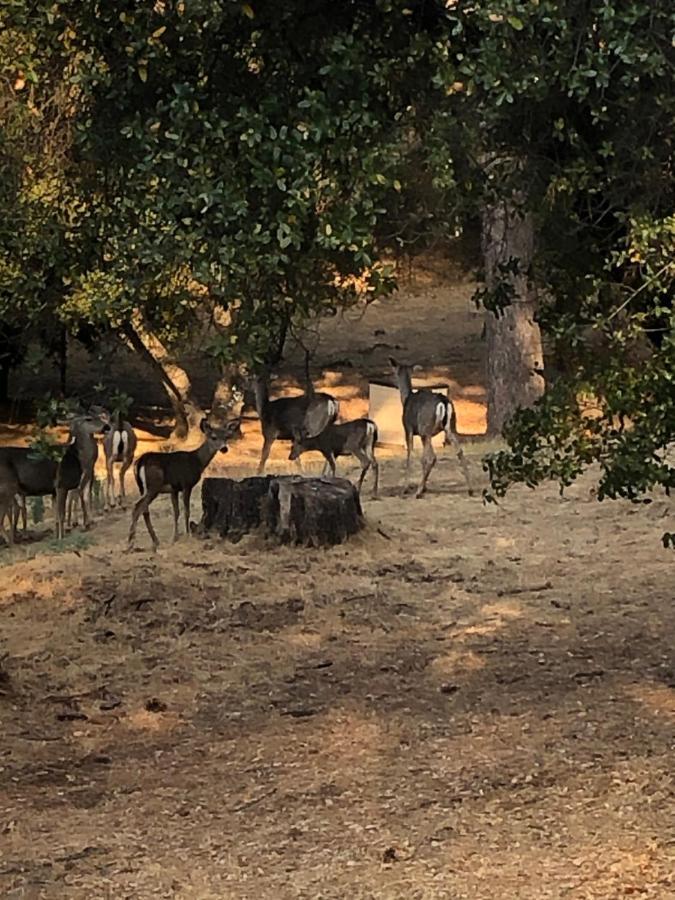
481 706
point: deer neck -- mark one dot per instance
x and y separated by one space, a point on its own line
205 453
262 395
404 382
83 442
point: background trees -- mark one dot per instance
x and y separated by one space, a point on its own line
240 168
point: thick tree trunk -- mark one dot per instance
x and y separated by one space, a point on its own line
187 411
63 361
292 509
514 347
4 381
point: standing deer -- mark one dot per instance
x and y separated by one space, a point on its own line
176 473
119 446
88 454
426 414
356 438
9 488
308 414
42 476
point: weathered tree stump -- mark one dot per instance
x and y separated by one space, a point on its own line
313 511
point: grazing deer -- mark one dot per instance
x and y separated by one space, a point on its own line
356 438
176 473
308 414
119 446
426 414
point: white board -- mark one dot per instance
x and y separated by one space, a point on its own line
385 409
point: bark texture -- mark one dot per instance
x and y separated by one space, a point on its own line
187 411
514 348
292 509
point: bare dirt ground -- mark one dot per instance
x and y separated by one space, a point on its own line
465 701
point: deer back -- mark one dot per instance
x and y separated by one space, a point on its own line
425 413
35 476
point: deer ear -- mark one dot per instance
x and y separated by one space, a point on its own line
233 427
203 424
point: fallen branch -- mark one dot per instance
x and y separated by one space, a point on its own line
526 589
249 803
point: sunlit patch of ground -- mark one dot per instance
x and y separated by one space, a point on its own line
483 698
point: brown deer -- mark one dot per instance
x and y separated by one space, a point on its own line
426 413
119 447
308 414
176 473
356 438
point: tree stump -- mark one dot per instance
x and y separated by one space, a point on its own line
292 509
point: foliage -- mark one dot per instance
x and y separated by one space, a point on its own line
245 167
571 107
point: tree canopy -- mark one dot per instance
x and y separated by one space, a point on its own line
248 166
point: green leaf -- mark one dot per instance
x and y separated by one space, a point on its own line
515 23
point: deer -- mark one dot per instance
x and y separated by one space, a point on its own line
88 452
284 418
356 438
426 414
176 472
119 446
9 488
43 476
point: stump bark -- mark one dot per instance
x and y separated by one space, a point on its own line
292 509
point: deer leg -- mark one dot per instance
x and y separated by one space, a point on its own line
329 465
123 471
186 508
174 502
428 462
141 507
61 498
409 449
366 463
109 485
72 509
151 530
22 510
83 503
267 446
7 511
454 440
376 474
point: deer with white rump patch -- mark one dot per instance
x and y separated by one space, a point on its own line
308 414
119 446
176 473
426 414
356 438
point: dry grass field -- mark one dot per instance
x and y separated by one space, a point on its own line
465 701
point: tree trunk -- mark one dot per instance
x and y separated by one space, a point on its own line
187 411
514 347
4 381
292 509
63 361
